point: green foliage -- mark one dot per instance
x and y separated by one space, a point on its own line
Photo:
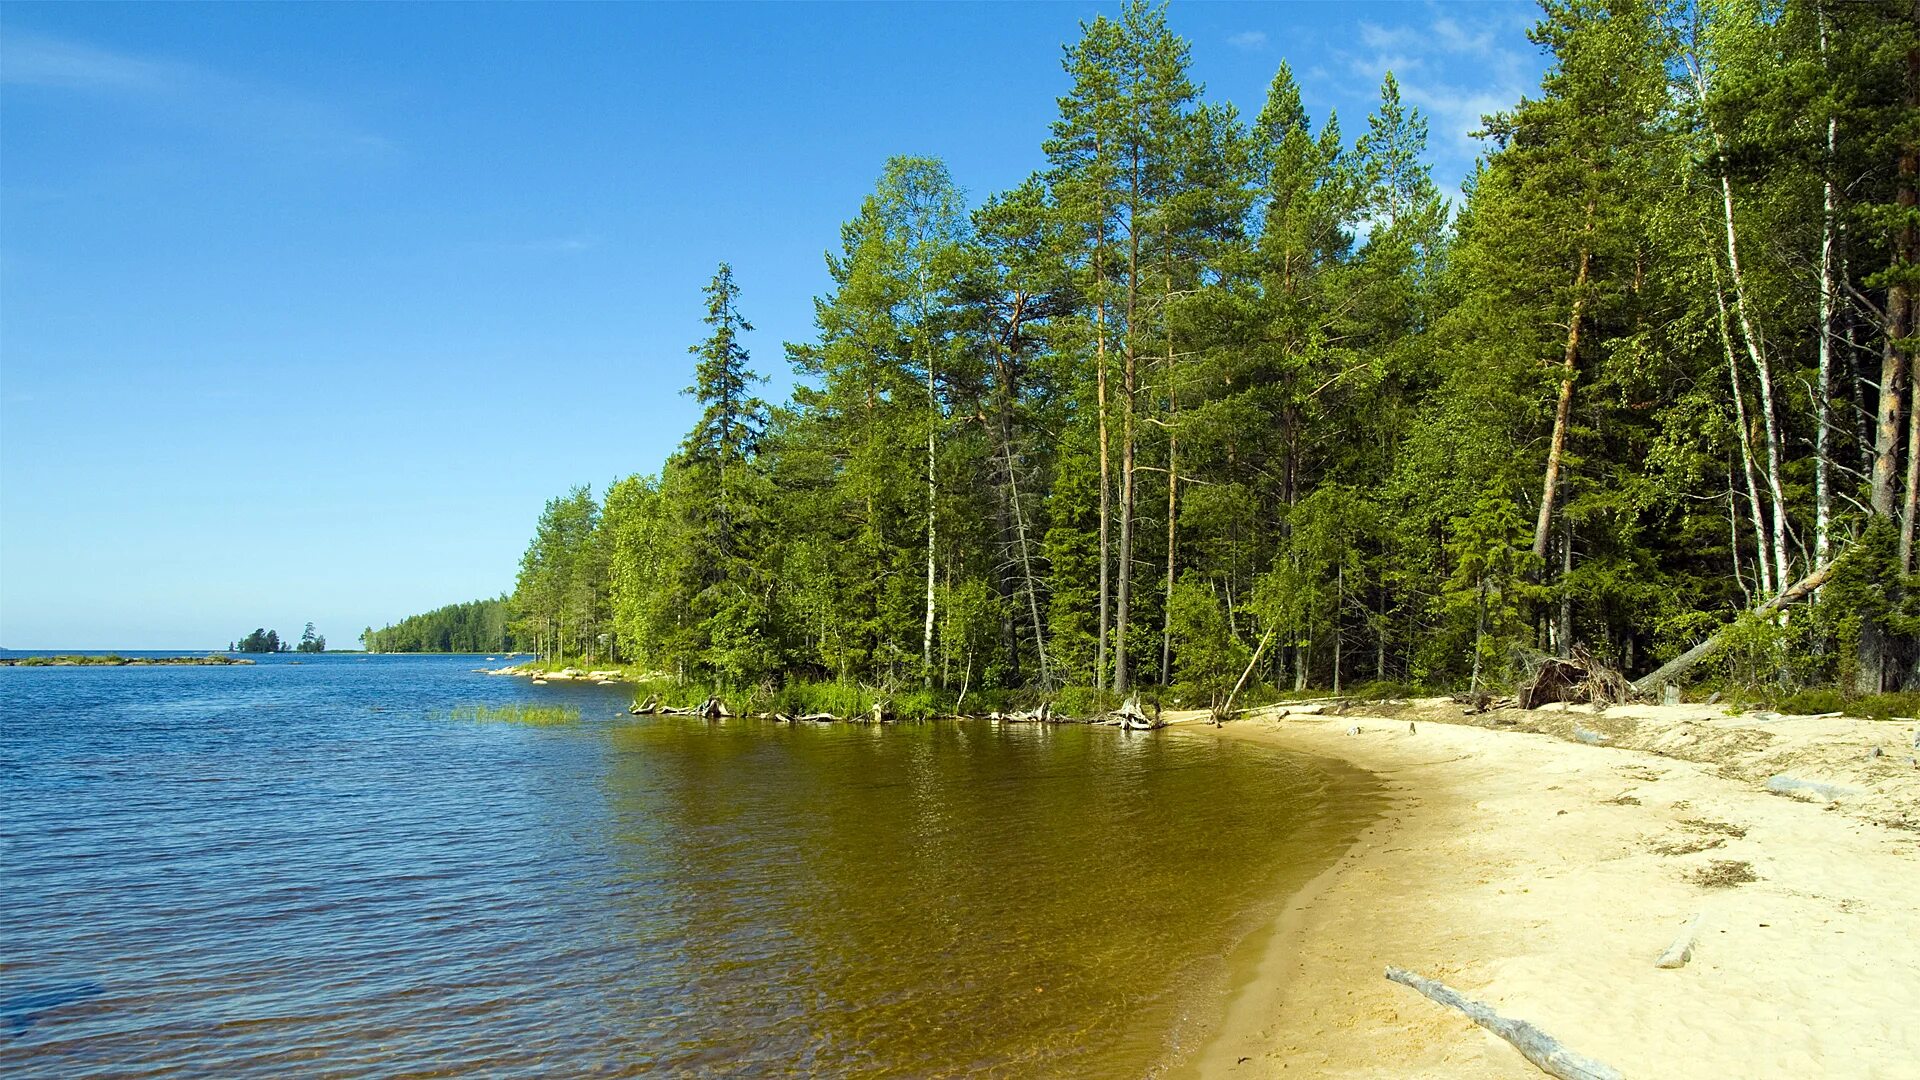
476 626
1209 660
261 641
1206 381
530 715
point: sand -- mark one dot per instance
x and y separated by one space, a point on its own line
1538 871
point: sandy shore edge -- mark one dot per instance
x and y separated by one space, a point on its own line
1543 875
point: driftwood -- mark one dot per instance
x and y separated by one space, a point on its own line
1535 1045
883 712
645 708
1133 718
1480 701
1681 950
1672 670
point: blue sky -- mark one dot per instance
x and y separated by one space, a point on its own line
305 310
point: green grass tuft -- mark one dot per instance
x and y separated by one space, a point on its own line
531 715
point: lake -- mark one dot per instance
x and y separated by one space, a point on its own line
306 866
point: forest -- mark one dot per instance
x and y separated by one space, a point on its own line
476 626
1211 392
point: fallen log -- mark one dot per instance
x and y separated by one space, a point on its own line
645 708
1535 1045
1133 718
1672 670
1681 950
1226 708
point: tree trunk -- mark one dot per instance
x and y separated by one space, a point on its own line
933 423
1763 563
1106 484
1686 661
1823 399
1566 596
1127 360
1173 510
1026 567
1896 371
1564 408
1763 374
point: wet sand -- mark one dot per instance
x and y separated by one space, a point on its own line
1543 876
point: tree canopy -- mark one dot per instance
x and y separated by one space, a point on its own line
1204 381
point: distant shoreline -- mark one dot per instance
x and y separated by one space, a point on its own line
116 660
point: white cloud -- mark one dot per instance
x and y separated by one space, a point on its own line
27 60
186 94
1249 40
1454 67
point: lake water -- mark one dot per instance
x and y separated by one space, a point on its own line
309 868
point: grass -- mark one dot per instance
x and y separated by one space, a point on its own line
531 715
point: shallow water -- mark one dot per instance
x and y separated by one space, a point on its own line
307 867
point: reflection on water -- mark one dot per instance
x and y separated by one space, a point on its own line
252 870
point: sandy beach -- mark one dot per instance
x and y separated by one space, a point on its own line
1541 861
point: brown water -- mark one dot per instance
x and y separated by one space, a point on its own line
243 871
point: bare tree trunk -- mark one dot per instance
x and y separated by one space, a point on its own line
933 423
1563 410
1106 487
1566 597
1763 563
1686 661
1763 374
1900 314
1733 539
1120 679
1127 361
1026 567
1339 602
1823 399
1173 510
1895 368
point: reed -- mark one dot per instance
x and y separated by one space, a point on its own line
532 715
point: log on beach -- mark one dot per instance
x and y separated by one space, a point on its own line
1681 950
1535 1045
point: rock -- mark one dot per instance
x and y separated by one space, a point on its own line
1782 784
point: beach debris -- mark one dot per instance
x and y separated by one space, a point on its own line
1782 784
1411 730
1577 678
1591 738
1480 701
1681 950
1535 1045
1133 718
1724 874
1354 730
1874 753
